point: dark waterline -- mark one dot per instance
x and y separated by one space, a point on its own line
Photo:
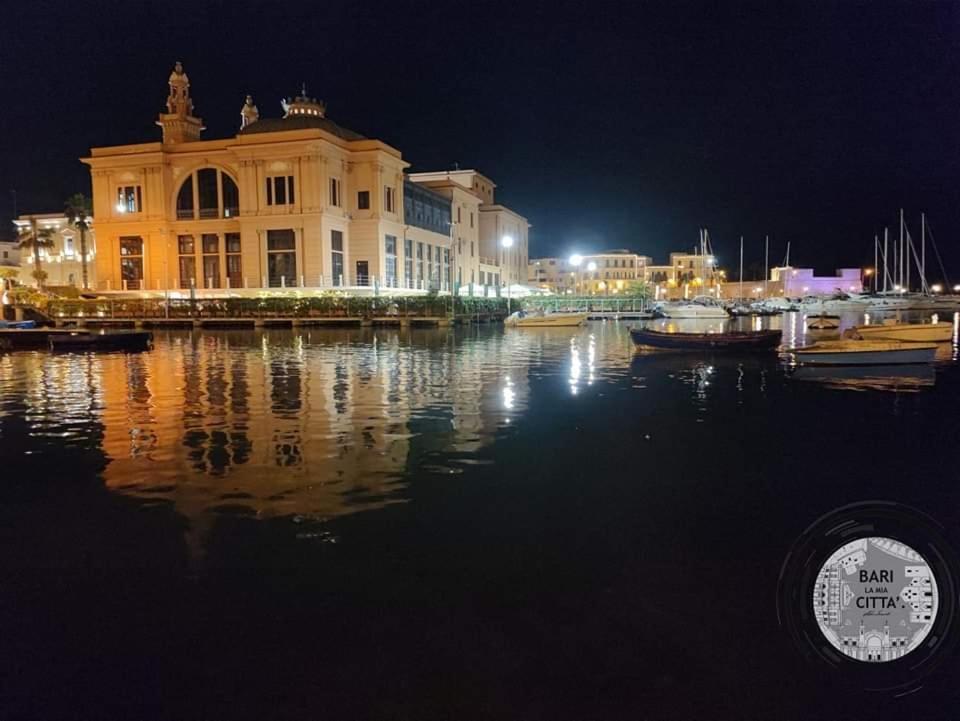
463 523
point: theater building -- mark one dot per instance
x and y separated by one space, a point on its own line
296 201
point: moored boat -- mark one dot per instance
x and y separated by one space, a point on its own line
823 322
523 319
906 332
133 340
864 352
761 340
700 307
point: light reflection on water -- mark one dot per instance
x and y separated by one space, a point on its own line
313 424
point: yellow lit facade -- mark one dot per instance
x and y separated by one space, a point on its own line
609 273
288 202
63 262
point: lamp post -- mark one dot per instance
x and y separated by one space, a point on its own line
507 242
576 260
867 273
591 267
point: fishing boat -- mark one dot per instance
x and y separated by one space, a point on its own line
864 352
760 340
906 332
823 322
132 340
524 319
702 306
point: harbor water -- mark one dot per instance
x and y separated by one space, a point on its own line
463 523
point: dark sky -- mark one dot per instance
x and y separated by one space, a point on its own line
607 125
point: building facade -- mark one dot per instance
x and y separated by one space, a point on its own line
289 202
611 272
63 262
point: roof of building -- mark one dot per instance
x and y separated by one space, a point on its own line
300 122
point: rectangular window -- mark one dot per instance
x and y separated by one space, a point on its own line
408 262
390 256
471 219
131 262
363 200
280 190
281 258
419 265
458 213
446 267
234 261
129 199
336 265
68 246
388 199
188 263
210 244
471 248
335 192
207 193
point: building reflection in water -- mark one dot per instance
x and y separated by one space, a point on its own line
310 424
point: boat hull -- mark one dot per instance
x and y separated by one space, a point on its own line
683 312
551 320
864 353
908 332
764 340
81 342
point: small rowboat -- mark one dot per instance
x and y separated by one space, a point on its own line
521 319
133 340
823 322
865 352
760 340
907 332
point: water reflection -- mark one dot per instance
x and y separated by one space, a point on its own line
319 423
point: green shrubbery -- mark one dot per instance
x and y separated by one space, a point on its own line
324 306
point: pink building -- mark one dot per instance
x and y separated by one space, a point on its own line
798 282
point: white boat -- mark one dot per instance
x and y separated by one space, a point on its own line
907 332
702 306
865 353
823 322
881 302
523 319
838 303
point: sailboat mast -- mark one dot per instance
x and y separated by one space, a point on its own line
741 267
923 251
876 265
886 270
907 249
766 263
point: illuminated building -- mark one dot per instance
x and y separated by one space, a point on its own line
608 273
62 262
296 201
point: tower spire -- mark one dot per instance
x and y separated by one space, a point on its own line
179 123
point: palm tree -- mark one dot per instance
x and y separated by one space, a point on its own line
32 238
77 210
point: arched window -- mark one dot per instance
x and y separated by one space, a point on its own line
185 199
208 193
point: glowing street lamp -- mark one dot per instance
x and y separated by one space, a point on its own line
956 289
936 288
507 242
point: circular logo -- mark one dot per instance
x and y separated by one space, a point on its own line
875 599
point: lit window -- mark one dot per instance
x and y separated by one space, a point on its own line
129 199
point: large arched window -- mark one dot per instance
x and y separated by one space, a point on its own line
208 193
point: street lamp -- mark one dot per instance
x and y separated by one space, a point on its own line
507 242
936 288
575 261
591 266
867 272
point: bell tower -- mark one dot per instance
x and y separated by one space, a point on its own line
178 123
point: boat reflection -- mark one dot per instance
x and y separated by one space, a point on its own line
896 378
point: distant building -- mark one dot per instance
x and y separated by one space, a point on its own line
63 263
608 273
9 254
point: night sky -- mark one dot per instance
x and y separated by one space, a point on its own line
606 125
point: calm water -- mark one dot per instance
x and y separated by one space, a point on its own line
464 523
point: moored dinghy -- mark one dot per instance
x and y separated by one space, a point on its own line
906 332
523 319
761 340
864 352
131 340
